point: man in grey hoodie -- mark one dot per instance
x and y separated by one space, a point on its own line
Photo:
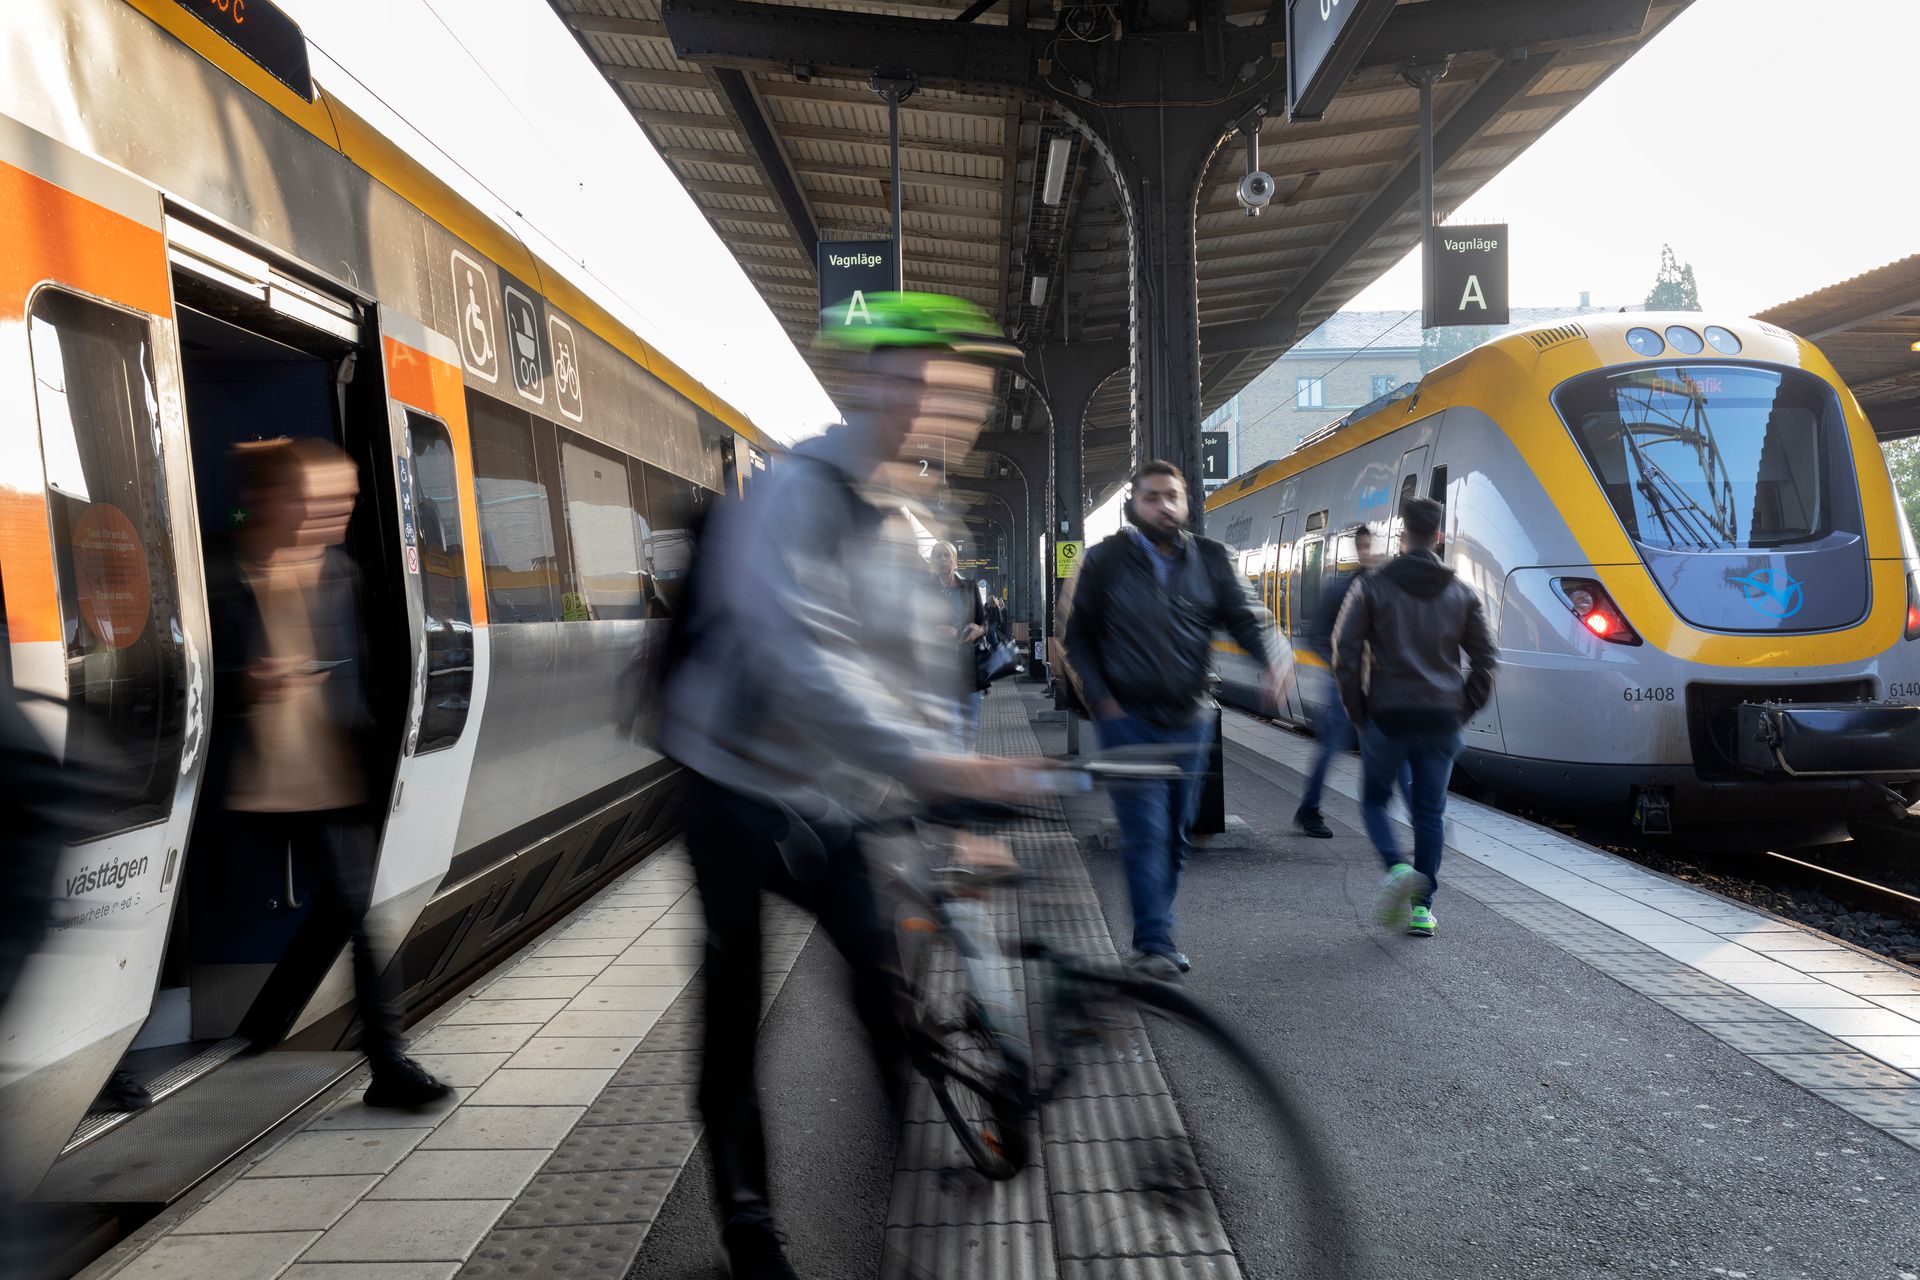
1396 655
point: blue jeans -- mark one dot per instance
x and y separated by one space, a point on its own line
970 718
1154 818
1430 756
1333 733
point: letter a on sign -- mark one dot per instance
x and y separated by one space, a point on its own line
1473 295
858 302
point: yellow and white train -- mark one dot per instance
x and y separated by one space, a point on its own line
1689 549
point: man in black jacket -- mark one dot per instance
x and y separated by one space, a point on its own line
1140 638
1396 655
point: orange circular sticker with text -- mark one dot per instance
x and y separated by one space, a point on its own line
110 575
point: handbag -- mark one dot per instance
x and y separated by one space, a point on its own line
992 661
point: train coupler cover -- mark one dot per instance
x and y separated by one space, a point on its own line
1830 739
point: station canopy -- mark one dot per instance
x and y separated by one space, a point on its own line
1869 327
780 158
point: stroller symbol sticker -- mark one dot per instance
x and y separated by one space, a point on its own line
474 303
523 345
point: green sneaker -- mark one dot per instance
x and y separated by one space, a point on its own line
1402 885
1420 923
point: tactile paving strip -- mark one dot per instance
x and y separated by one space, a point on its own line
587 1211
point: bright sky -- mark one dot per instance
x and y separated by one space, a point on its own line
577 176
1763 139
1766 140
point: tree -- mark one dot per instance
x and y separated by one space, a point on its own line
1673 288
1903 462
1437 346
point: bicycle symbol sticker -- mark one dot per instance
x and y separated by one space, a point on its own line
566 369
474 303
523 345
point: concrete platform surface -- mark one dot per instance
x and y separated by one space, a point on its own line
1591 1071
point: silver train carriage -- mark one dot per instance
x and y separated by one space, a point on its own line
200 249
1687 545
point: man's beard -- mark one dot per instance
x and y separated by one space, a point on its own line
1156 535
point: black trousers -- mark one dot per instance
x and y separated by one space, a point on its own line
730 839
335 850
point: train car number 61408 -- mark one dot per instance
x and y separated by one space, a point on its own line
1648 693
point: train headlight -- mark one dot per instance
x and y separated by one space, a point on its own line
1913 605
1590 603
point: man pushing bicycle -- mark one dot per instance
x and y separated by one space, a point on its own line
808 679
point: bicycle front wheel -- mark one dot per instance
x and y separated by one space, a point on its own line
1320 1202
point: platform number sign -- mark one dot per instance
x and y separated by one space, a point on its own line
1216 458
1467 276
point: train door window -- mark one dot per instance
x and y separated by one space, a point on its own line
113 554
516 518
674 503
1409 485
601 517
1279 565
1307 600
443 580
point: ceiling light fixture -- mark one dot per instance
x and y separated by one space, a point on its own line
1056 180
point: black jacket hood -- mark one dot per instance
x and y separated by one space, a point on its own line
1418 573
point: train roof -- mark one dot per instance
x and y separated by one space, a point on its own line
338 127
1602 336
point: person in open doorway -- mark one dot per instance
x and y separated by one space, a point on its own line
292 737
1139 640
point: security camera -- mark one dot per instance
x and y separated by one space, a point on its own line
1255 192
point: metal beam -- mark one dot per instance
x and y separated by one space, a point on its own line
1895 421
1509 82
594 24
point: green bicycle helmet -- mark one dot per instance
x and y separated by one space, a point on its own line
923 321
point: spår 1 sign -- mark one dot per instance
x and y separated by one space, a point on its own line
1325 40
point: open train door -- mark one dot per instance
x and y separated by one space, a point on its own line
432 494
99 567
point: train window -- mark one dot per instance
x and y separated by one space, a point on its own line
443 583
606 528
1346 551
1698 457
1437 490
113 554
516 516
674 503
1318 520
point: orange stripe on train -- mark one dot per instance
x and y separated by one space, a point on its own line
419 381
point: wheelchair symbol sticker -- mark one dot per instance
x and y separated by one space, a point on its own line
473 300
523 345
566 369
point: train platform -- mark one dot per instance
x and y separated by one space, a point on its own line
1593 1070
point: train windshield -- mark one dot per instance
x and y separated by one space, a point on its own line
1700 457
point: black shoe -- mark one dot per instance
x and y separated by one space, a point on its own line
1157 965
406 1085
1312 824
123 1093
1180 961
755 1251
